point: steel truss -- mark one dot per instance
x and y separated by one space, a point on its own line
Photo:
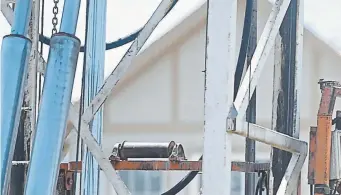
233 117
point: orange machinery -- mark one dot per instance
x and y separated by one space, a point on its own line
320 148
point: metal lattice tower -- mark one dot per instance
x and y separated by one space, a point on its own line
224 113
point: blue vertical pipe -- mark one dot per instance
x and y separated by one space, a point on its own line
22 16
15 51
52 119
70 16
95 59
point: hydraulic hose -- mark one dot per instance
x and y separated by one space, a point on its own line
238 76
243 46
111 45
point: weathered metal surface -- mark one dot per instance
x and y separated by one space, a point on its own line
250 145
106 90
162 165
285 102
323 136
60 189
281 141
53 114
312 156
14 59
335 158
260 56
220 64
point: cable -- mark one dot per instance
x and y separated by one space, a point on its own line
243 46
112 45
81 104
259 187
183 183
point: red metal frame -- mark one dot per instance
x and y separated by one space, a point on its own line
166 165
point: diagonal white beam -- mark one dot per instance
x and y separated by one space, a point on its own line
260 56
126 61
98 154
105 91
7 11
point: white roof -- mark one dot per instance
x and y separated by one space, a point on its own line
322 18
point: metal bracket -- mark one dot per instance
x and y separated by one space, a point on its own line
281 141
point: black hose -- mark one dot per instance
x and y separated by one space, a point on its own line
112 45
183 183
259 187
243 46
239 71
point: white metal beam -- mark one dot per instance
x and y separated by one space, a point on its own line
127 59
260 56
98 154
7 11
219 82
281 141
124 64
105 91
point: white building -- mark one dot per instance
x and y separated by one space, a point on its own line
161 98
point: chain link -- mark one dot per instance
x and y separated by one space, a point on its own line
55 19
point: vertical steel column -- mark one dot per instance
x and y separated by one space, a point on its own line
70 16
95 60
55 104
28 112
219 84
250 145
14 59
288 56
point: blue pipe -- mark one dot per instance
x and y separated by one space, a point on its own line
22 16
15 52
94 75
70 16
52 119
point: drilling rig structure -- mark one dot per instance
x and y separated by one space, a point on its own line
230 104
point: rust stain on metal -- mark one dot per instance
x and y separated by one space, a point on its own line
326 99
158 165
323 136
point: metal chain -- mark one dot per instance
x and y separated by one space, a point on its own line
55 19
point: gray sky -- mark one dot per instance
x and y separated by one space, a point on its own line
323 18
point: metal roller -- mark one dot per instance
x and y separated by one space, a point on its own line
128 150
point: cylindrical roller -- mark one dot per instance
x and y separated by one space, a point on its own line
15 51
54 109
144 150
